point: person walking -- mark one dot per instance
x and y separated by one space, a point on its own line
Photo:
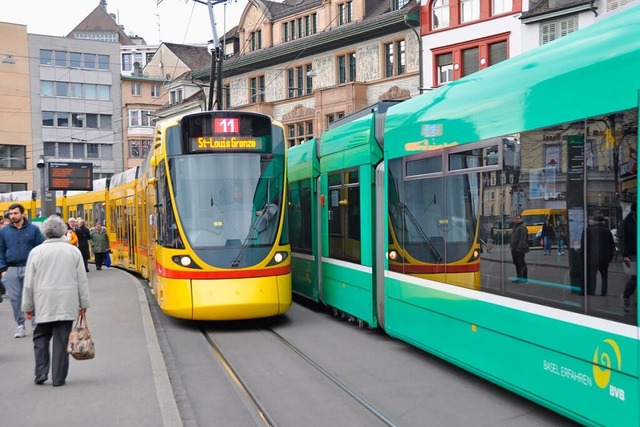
16 242
519 247
600 250
55 287
547 237
84 236
99 244
628 248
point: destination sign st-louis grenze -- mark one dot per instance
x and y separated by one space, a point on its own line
225 138
70 176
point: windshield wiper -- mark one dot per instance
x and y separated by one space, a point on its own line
265 216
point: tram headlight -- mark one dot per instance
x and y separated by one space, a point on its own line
278 258
185 261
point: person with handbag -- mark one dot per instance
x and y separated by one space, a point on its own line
56 287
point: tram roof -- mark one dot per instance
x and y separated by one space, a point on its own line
591 71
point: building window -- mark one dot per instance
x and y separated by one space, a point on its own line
62 89
497 52
62 120
175 96
470 61
445 68
299 20
127 62
92 151
139 147
394 56
297 133
13 157
470 10
256 40
46 88
314 23
309 87
501 6
345 12
440 12
333 117
103 62
92 121
47 118
307 25
89 61
614 4
104 92
299 82
257 89
285 31
135 89
60 58
8 187
75 59
347 68
46 57
227 96
75 90
551 30
292 29
399 4
140 118
90 91
155 91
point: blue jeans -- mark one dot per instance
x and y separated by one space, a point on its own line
13 280
560 245
547 245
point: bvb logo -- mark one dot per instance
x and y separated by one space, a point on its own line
603 359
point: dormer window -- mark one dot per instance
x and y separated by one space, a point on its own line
345 12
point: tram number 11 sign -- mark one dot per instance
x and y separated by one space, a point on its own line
70 176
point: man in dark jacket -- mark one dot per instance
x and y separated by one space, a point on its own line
16 241
519 246
628 248
600 250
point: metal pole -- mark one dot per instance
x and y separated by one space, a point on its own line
42 166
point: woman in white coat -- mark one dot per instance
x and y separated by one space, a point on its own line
56 288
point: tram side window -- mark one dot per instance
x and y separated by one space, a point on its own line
575 184
300 216
168 235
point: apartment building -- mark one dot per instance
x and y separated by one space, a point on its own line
76 101
308 63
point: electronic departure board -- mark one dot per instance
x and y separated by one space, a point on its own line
70 176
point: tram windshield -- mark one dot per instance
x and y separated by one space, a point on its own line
229 201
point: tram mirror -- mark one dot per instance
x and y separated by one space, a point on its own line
153 161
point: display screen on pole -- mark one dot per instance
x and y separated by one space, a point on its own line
70 176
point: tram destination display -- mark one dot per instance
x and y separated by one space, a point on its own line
70 176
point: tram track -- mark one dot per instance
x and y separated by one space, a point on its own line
252 398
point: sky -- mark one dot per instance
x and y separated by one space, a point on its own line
174 21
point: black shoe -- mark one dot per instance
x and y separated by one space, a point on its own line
60 384
40 379
99 268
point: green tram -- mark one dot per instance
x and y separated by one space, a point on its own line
391 212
